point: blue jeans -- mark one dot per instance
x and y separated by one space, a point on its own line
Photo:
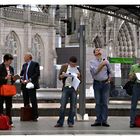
67 93
134 101
101 92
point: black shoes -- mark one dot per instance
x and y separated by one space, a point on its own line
35 120
100 124
105 124
58 125
70 125
96 124
132 125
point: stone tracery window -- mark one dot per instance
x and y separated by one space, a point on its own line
35 48
11 47
37 51
10 44
97 42
126 48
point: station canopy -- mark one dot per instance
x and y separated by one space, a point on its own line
130 13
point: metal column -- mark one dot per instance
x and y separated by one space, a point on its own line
83 71
72 18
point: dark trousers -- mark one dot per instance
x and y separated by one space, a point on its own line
29 95
8 103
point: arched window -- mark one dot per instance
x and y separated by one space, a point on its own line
97 43
125 48
36 49
11 47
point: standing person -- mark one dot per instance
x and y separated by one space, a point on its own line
101 73
6 77
135 92
68 91
30 73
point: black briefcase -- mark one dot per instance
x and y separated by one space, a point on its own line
25 114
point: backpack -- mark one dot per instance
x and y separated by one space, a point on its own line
129 87
4 122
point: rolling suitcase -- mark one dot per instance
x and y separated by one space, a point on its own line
25 114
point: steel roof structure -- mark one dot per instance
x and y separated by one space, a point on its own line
130 13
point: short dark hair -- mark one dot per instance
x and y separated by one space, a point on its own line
7 57
73 59
95 49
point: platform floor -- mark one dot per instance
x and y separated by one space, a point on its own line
45 126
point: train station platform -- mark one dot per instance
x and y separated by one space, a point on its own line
49 103
45 126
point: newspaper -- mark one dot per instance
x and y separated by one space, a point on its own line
138 75
75 83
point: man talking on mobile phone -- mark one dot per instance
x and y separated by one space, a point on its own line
100 70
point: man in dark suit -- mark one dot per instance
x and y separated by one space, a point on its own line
30 73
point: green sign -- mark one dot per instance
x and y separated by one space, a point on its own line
121 60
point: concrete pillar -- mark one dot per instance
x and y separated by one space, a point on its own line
138 49
50 54
27 29
1 34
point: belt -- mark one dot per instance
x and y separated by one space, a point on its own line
101 81
68 86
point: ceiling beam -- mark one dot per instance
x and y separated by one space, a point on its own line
131 14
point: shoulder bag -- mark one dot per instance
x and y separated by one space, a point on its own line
7 90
